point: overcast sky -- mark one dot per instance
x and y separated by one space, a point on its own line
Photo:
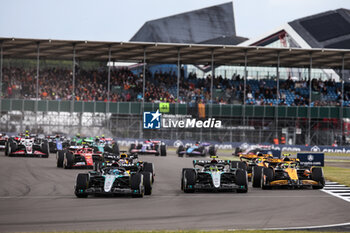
117 20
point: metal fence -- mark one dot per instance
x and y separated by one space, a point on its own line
255 124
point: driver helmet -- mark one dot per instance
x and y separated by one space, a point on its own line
286 157
213 161
78 135
115 172
102 136
260 154
197 143
97 139
26 136
123 156
57 136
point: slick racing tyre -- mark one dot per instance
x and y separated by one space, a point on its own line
189 181
256 176
68 160
239 164
60 158
180 149
148 167
45 150
317 175
212 150
147 182
266 178
162 150
136 183
242 180
82 184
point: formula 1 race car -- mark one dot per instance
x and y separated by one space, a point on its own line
253 160
291 174
57 142
148 147
78 157
214 175
28 145
112 181
266 162
250 149
129 162
105 145
3 140
199 149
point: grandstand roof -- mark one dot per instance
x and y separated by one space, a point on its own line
166 53
225 40
330 29
190 27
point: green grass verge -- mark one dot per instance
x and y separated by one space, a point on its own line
337 174
195 231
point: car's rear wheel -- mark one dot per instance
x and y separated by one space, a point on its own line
136 183
239 164
60 158
317 175
82 184
45 149
147 182
162 150
157 149
132 146
189 180
256 176
115 148
148 167
212 150
179 150
68 160
242 180
266 178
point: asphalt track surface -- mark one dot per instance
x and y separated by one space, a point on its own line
35 195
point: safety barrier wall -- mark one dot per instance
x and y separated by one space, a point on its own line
135 108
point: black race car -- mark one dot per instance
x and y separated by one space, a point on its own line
214 175
129 162
113 180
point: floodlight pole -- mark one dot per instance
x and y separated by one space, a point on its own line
178 75
1 86
244 91
342 99
309 112
143 78
37 84
212 77
109 84
143 88
73 91
278 91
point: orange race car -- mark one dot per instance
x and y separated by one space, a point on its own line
253 160
288 172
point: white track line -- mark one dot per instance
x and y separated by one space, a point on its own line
308 227
337 190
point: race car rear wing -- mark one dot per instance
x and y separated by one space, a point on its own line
204 162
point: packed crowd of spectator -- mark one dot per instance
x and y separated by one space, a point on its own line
125 85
